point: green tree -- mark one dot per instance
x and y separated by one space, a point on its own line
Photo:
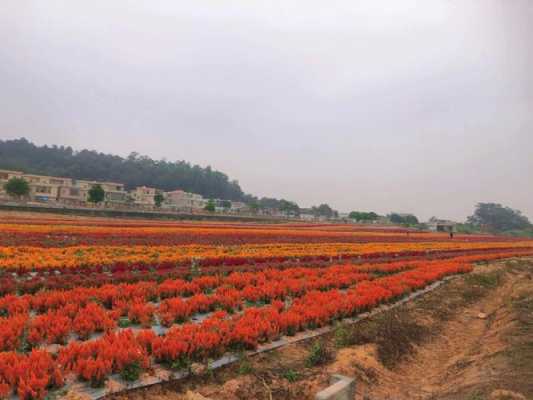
158 199
411 220
497 218
96 194
17 187
363 216
254 207
226 204
323 210
210 206
289 207
134 171
408 219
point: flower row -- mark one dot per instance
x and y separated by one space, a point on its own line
86 311
34 258
67 235
30 282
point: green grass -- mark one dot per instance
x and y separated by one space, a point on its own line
245 366
521 350
291 375
318 354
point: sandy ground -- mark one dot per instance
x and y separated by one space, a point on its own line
468 354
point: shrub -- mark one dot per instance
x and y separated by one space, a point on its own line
291 375
318 354
131 372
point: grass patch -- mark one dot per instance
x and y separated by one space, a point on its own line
478 285
291 375
131 372
476 395
319 354
245 366
395 333
521 350
487 280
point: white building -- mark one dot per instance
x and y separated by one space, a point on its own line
53 189
180 200
144 196
440 225
239 207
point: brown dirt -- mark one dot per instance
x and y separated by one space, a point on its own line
468 355
460 362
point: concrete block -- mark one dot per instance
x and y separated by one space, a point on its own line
341 388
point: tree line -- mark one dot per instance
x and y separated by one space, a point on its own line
134 170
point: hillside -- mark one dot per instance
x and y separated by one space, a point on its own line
135 170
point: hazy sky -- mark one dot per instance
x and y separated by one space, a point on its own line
412 106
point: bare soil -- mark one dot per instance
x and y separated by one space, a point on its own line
471 338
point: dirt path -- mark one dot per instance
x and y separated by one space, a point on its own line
460 359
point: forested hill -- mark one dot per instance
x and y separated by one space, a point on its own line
135 170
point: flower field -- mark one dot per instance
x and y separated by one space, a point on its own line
82 299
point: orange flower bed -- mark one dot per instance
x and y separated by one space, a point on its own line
34 258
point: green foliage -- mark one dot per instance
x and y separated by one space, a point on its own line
289 207
158 199
489 280
323 210
397 335
254 206
342 335
286 206
466 228
226 204
134 170
497 218
363 216
408 219
318 354
210 206
521 233
180 364
476 395
478 285
96 194
124 322
291 375
521 350
17 187
131 372
245 366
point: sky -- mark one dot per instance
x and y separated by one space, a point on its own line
406 106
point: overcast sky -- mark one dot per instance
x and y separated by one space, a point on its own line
410 106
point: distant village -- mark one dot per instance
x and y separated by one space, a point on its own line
74 193
69 192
